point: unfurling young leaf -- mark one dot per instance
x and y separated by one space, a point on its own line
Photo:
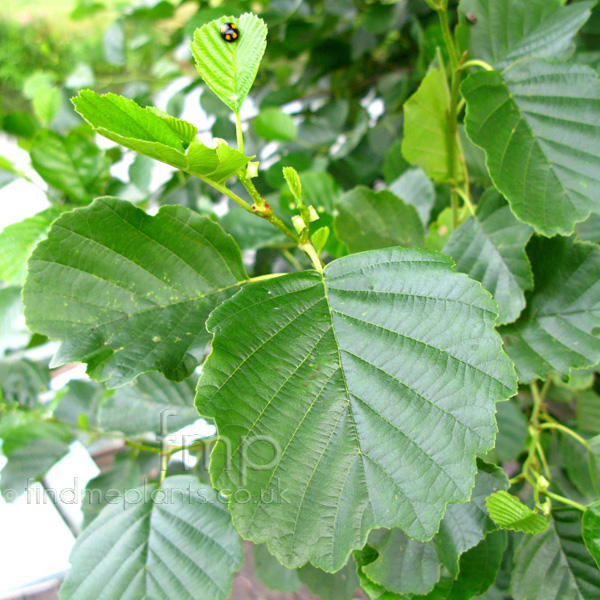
229 69
509 512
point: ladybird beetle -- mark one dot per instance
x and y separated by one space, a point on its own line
229 32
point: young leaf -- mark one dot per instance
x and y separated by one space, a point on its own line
127 292
509 30
591 530
414 187
150 404
18 241
167 542
360 381
490 247
369 220
272 573
555 565
274 124
557 330
157 135
293 180
426 141
229 69
72 164
333 586
510 513
538 123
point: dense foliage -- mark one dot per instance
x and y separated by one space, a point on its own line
372 264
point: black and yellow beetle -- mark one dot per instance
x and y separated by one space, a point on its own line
229 32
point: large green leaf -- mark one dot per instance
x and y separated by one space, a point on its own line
274 124
555 565
510 513
158 135
426 142
150 404
372 391
490 247
512 432
18 240
72 164
229 69
173 542
127 292
558 329
406 566
538 123
508 30
369 220
591 530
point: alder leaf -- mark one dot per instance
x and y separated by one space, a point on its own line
360 397
558 329
508 30
591 530
127 292
150 404
510 513
166 542
426 142
555 565
368 220
157 135
414 187
274 124
538 123
229 69
272 573
18 241
333 586
490 247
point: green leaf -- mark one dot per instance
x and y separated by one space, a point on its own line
512 431
127 292
293 180
587 407
79 405
272 573
18 240
510 513
440 231
591 530
426 142
361 380
150 404
490 247
72 164
158 135
109 487
229 69
22 381
31 448
333 586
558 329
537 123
46 103
12 334
407 566
164 542
369 220
249 232
414 187
555 565
508 30
274 124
